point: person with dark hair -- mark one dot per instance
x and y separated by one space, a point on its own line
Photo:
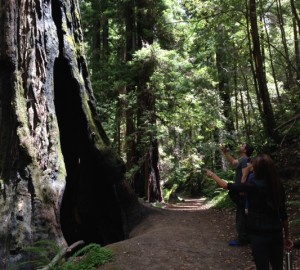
241 174
267 217
240 164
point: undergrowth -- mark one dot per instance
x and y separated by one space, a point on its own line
38 255
88 258
41 253
221 199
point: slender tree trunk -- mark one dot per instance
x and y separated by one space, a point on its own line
246 124
251 62
235 70
271 61
96 36
120 119
295 14
268 117
289 73
131 158
105 31
60 180
223 78
255 113
296 49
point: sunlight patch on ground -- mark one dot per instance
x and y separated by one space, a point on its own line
188 205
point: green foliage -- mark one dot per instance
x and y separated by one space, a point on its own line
189 111
89 258
221 200
39 254
157 205
186 178
42 252
167 192
295 222
294 219
294 203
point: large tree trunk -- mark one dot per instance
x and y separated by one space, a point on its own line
147 180
59 179
130 121
141 152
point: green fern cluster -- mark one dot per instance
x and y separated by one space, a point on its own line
38 255
42 252
88 258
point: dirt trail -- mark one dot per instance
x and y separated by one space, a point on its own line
183 236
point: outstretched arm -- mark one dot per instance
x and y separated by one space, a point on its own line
222 183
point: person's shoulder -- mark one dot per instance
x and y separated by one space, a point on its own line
243 161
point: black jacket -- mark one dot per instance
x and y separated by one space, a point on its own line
262 215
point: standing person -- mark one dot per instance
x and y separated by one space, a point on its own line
267 217
241 174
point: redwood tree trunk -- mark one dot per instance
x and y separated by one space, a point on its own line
32 168
223 78
130 115
268 116
296 49
295 14
59 180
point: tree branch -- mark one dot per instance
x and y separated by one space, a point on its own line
61 254
289 121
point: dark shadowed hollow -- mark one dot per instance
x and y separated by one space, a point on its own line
90 210
98 206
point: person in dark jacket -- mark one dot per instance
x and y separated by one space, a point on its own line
267 216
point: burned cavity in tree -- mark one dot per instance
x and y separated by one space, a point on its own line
90 209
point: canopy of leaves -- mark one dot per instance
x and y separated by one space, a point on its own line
203 80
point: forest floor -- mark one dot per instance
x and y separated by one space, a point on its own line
189 235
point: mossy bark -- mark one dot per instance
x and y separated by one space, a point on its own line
40 41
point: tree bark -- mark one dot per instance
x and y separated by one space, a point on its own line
96 40
59 178
289 71
131 157
295 14
147 181
268 116
251 62
105 31
271 60
223 78
296 49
